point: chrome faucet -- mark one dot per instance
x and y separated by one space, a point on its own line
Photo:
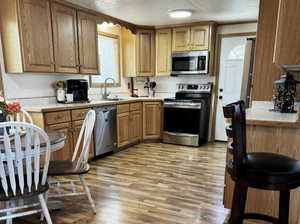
106 94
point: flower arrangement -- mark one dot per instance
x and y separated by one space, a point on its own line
8 108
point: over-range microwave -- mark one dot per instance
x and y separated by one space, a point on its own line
190 63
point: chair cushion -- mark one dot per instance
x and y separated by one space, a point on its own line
63 168
271 164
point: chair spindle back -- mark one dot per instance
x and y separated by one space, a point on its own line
85 136
20 154
236 133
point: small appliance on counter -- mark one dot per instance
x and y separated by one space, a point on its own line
285 94
186 117
77 90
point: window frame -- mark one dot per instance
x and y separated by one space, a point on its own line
117 84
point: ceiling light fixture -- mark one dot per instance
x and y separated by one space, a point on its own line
180 13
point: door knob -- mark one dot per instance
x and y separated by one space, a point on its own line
220 97
221 90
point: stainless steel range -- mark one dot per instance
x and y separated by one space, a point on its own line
186 117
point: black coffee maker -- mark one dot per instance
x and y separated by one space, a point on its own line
79 89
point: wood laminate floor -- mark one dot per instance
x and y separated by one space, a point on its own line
151 183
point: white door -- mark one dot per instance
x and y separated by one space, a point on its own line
230 78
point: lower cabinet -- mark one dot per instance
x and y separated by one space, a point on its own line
66 152
129 124
69 122
135 126
152 120
123 129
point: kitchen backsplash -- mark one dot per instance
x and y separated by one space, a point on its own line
167 86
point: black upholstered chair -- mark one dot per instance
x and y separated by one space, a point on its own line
259 170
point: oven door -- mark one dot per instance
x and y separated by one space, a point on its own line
182 125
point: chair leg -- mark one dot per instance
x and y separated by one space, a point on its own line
284 205
88 193
45 209
238 204
8 205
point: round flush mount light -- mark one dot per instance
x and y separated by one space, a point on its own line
180 13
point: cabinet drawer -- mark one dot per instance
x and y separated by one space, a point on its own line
135 106
79 114
57 117
122 108
55 127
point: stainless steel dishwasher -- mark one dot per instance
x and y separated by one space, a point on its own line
105 132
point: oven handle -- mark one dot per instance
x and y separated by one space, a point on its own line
182 106
180 134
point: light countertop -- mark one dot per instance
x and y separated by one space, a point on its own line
260 114
93 103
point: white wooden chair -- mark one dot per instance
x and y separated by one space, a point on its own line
22 116
23 174
78 166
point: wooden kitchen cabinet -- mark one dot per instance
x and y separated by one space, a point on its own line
123 129
287 42
129 53
181 39
129 123
192 38
152 120
135 126
88 43
145 52
47 37
163 52
64 21
27 36
65 153
199 38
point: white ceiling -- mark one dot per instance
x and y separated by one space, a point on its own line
154 12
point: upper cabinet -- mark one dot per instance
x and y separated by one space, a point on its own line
191 38
163 52
181 39
88 42
27 40
145 52
129 53
199 38
28 47
65 38
287 43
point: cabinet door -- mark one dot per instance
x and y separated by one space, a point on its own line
76 131
135 126
129 53
65 38
65 153
123 129
199 38
163 52
181 39
287 43
88 43
145 53
36 36
152 120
